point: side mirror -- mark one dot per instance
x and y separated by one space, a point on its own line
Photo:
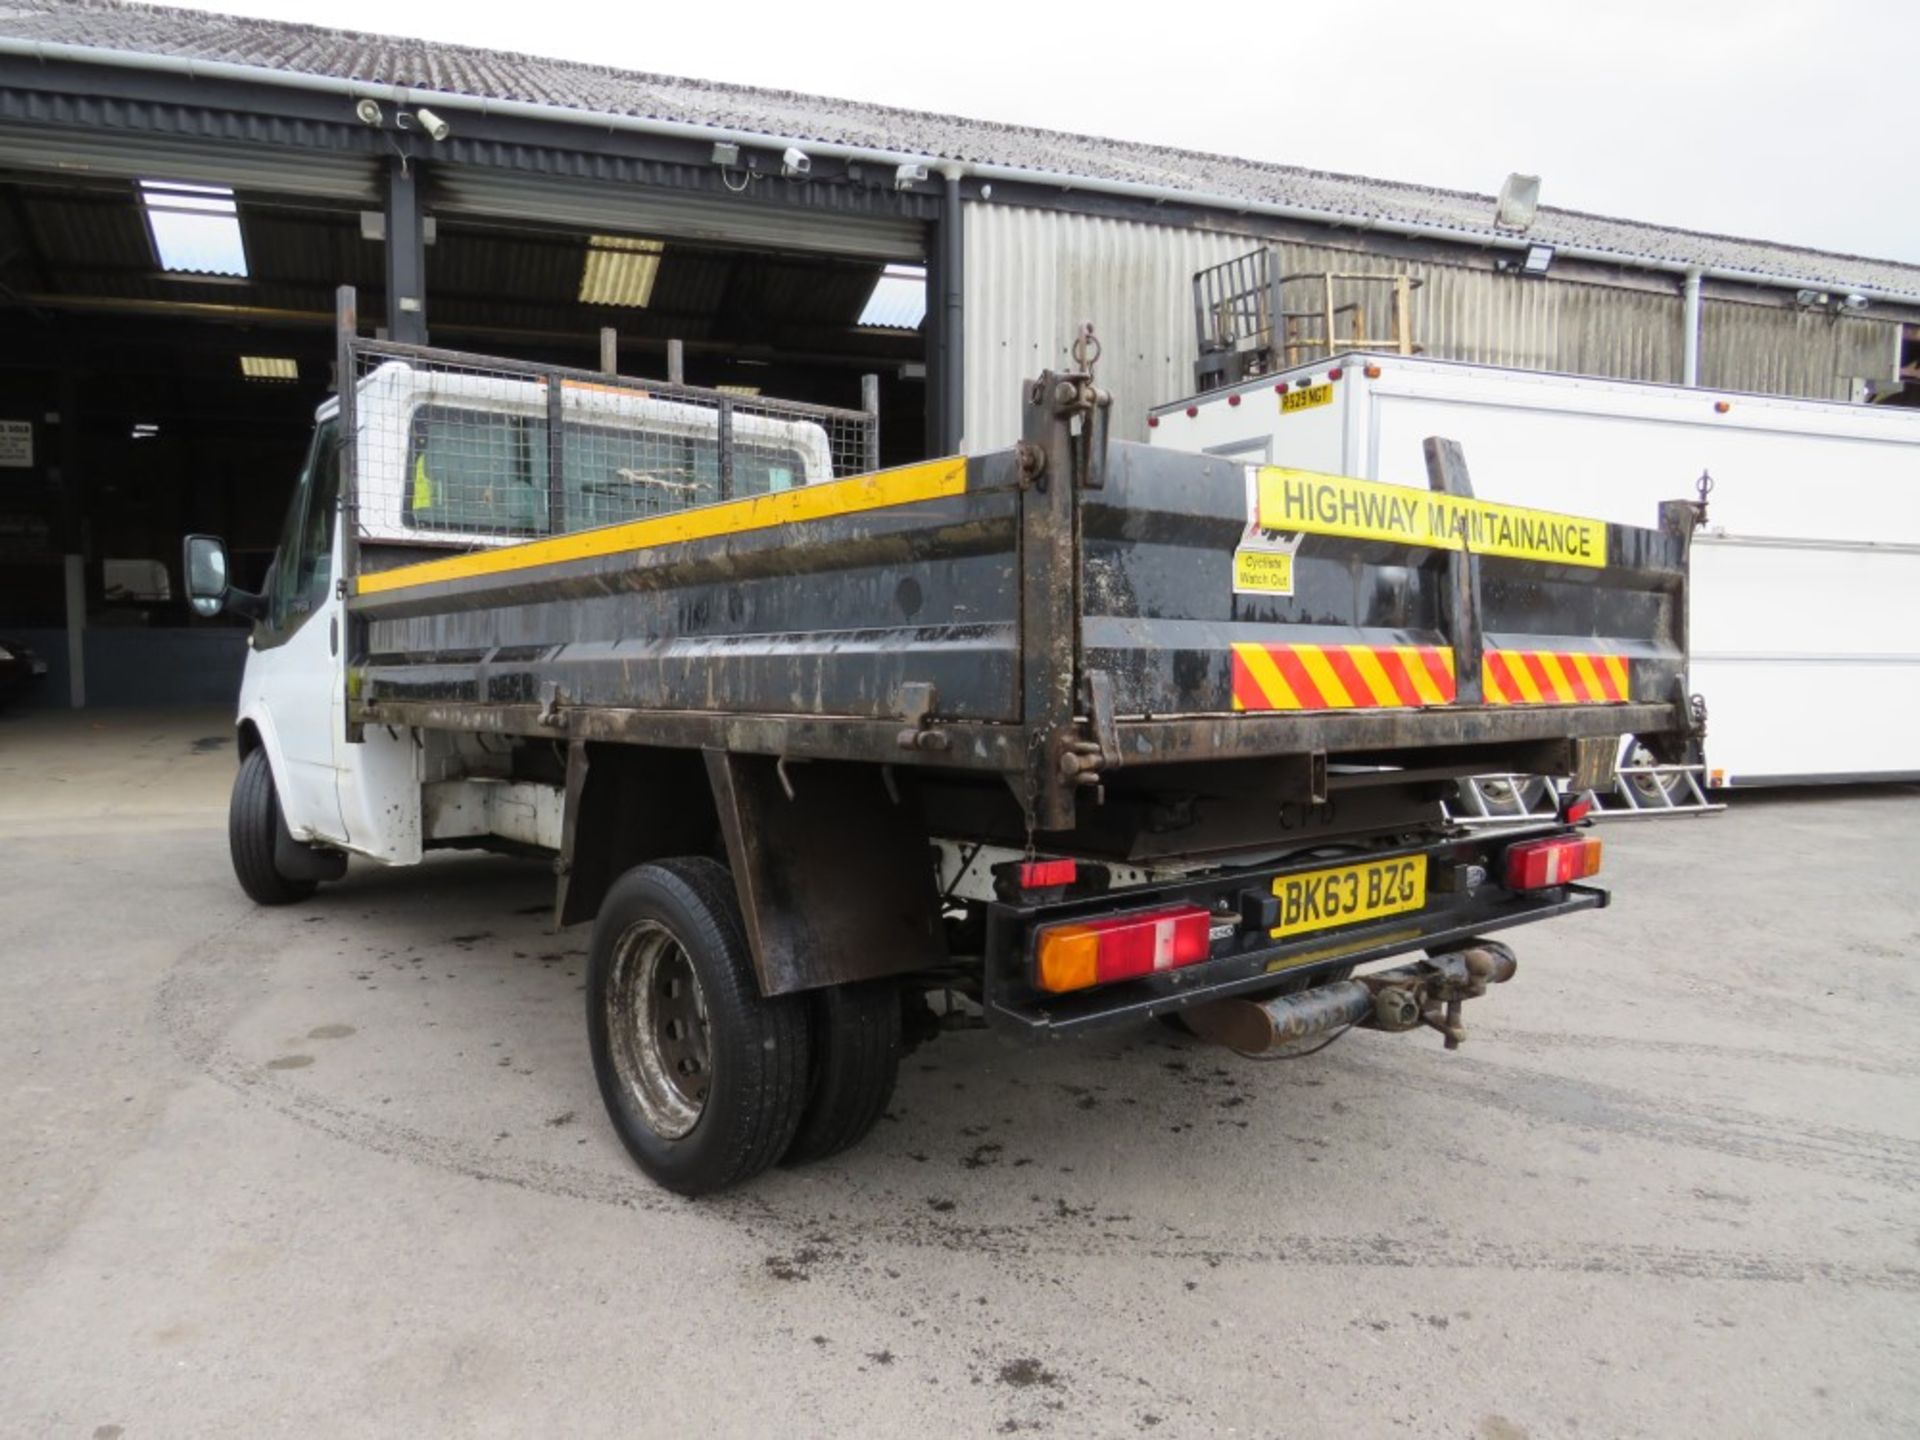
204 562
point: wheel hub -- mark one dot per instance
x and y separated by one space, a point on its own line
658 1029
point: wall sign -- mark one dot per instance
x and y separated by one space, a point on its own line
16 444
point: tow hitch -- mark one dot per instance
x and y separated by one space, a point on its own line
1427 992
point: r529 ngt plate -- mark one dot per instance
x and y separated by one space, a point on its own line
1305 398
1348 894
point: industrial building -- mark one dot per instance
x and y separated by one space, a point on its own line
182 194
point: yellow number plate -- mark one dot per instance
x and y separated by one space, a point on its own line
1306 399
1347 894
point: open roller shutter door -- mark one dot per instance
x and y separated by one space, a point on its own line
674 214
118 154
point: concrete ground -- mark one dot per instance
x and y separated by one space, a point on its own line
341 1169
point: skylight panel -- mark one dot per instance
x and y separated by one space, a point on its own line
620 270
899 299
269 367
195 228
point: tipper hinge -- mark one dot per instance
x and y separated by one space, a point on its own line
914 703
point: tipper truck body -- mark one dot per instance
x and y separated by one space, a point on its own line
1065 736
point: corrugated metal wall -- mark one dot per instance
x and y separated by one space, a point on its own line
1032 277
1793 352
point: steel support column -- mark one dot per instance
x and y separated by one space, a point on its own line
406 254
75 531
946 328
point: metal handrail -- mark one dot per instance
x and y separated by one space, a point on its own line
1249 319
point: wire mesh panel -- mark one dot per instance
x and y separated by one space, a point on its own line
464 451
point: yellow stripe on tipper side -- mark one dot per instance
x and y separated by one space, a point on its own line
903 486
1296 501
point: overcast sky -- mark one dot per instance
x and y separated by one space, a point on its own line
1789 120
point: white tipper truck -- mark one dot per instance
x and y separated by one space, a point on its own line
1803 580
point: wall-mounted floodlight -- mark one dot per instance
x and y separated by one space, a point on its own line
726 156
1538 260
1519 202
368 111
795 164
905 177
1811 298
436 128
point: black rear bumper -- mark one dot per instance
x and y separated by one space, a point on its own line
1249 961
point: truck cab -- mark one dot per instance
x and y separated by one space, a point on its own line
454 461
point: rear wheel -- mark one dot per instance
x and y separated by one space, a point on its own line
254 824
705 1080
855 1032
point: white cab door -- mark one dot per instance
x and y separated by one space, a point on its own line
295 671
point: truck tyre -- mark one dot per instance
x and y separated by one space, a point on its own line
855 1031
253 818
704 1079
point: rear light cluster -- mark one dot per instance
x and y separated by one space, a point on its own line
1080 953
1541 864
1045 874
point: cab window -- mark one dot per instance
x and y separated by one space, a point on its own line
303 564
485 472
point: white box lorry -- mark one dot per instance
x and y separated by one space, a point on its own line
1805 580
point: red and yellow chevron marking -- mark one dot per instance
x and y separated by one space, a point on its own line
1365 677
1341 677
1553 677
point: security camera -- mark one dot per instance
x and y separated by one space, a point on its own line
1855 302
906 176
436 128
369 112
795 162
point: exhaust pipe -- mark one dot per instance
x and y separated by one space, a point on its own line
1427 992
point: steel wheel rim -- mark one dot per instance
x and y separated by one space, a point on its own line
1651 787
657 1028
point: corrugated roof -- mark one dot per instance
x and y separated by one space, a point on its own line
383 60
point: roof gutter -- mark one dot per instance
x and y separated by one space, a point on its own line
191 68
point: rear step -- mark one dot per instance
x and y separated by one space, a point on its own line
1488 800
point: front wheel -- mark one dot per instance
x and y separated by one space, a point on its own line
254 830
705 1080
